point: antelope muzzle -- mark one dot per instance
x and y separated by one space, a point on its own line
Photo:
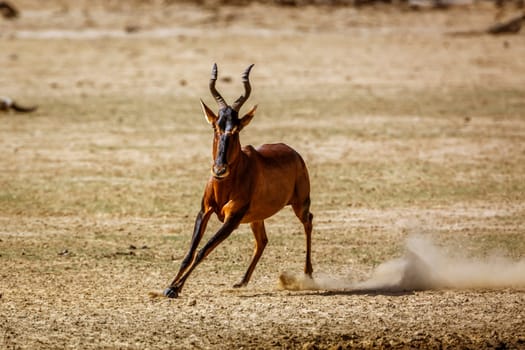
220 171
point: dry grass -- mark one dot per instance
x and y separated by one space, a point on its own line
404 131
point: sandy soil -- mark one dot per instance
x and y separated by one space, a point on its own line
406 130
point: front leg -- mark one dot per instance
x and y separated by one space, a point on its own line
198 231
231 223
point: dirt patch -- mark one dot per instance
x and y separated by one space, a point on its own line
405 131
97 295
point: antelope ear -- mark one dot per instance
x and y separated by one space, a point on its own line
208 113
248 117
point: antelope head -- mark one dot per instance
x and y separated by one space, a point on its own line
227 125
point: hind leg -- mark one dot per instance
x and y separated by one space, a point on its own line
302 211
259 232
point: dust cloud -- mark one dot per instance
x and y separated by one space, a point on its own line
424 266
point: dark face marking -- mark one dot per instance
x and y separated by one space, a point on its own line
228 119
226 127
222 151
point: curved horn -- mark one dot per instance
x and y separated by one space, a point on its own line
247 89
214 92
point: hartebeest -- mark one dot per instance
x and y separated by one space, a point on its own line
246 185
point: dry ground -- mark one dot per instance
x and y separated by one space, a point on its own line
405 130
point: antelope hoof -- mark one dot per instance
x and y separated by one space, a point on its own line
240 285
171 292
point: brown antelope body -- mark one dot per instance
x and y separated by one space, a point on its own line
247 185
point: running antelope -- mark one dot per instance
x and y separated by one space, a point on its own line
247 185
